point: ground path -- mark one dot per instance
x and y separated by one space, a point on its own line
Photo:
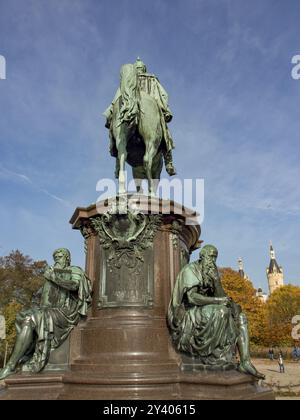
284 384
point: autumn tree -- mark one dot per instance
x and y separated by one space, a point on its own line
20 278
9 312
241 290
282 306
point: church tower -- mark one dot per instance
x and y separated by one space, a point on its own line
274 272
241 268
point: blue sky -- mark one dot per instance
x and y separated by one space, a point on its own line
226 65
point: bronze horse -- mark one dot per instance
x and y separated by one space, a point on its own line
138 134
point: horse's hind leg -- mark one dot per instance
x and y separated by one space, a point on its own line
117 168
148 162
156 170
122 156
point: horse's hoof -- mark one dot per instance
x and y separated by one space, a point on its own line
171 170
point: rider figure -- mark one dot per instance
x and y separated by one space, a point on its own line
150 84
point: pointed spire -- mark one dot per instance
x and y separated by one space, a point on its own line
272 252
274 272
273 266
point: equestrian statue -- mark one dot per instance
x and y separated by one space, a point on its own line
137 121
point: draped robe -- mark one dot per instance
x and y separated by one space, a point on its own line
208 332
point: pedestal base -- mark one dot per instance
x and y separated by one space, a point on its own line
181 386
124 349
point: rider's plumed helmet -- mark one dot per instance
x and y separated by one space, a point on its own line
139 65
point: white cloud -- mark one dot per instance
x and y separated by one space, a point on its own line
15 176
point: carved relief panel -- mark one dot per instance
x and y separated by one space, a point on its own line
127 277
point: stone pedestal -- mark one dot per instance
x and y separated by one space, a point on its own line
123 350
126 335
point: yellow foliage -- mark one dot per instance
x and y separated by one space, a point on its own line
10 312
281 307
242 292
269 323
20 278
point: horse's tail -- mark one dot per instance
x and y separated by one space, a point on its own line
128 87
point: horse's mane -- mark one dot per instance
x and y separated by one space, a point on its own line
128 87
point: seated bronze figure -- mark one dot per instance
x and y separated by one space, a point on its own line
204 322
64 300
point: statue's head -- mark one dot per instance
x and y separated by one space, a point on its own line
209 254
140 66
62 258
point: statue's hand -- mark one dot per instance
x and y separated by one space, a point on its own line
224 301
48 273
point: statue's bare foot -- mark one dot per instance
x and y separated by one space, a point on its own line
248 368
7 371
